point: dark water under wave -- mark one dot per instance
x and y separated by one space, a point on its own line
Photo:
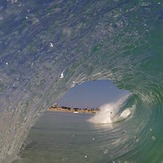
48 46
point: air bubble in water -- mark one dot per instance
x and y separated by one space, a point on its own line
105 151
153 138
51 45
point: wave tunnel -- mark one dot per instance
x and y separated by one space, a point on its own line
47 47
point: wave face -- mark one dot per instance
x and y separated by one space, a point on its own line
113 112
46 47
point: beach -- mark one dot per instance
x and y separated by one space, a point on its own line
73 110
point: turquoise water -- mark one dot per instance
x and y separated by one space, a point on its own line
64 137
68 137
47 47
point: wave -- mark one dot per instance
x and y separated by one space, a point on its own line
48 47
112 112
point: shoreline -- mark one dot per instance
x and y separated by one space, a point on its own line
72 110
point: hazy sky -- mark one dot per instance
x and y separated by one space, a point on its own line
92 94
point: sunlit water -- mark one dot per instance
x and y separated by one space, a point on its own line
66 137
47 47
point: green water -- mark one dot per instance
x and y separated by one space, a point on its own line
119 40
64 137
68 137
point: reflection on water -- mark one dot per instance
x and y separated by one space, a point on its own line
67 137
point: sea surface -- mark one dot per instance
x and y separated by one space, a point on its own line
49 46
66 137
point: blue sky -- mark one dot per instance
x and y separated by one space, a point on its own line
92 94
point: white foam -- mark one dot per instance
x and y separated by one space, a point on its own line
62 76
125 113
111 113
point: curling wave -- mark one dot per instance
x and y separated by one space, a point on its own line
112 112
46 47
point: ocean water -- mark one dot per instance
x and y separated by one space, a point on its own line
65 137
47 47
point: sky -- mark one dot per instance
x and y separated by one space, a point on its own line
92 94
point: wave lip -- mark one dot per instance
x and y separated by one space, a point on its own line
112 112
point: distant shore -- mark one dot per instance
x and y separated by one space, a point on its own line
72 110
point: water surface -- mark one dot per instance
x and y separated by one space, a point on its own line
63 137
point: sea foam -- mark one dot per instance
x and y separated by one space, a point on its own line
112 112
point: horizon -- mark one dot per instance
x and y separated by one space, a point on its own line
91 94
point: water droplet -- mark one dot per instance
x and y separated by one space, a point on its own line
62 76
85 156
6 63
25 119
136 139
15 85
126 162
153 138
73 84
106 151
124 131
93 139
51 45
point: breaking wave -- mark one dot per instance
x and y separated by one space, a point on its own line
113 112
47 47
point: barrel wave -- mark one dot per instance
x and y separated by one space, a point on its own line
47 47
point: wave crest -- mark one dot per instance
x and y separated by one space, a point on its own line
113 112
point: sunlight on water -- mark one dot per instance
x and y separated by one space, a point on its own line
68 137
47 47
65 130
112 112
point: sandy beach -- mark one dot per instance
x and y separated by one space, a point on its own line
72 110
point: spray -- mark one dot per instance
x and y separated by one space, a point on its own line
112 112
